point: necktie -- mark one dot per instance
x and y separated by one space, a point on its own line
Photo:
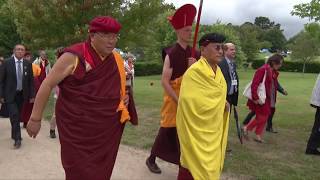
19 76
233 73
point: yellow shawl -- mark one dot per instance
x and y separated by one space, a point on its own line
202 122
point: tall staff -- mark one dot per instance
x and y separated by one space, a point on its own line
197 30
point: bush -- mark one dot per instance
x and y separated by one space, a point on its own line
146 69
290 66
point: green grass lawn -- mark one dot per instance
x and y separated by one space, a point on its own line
282 157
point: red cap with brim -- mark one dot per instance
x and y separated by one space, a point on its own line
183 17
104 24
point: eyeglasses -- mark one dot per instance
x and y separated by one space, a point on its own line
108 36
218 47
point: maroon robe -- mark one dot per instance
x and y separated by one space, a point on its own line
166 145
27 106
87 119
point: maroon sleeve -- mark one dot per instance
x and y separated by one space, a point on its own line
257 79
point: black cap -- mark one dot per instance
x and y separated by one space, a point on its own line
211 38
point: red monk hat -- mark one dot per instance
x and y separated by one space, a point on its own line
104 24
183 17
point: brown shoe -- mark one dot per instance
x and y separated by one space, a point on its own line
153 167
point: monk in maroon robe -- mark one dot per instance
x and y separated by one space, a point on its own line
92 106
177 58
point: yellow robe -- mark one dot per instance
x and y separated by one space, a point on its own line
202 121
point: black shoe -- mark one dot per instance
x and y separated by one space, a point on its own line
153 167
313 152
24 125
53 134
271 130
17 144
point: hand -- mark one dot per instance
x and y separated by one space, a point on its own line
227 108
191 60
285 93
256 102
31 100
33 127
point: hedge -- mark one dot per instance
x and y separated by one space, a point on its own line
291 66
147 69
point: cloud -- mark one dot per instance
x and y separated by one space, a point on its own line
238 12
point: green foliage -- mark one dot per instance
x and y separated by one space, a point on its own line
310 10
162 36
53 23
250 45
276 38
291 66
8 30
264 23
146 69
231 36
305 48
314 30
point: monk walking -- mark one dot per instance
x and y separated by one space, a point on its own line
177 59
203 114
91 108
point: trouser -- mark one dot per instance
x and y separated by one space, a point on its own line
15 108
258 123
53 123
249 117
314 140
269 122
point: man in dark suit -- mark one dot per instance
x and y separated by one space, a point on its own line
229 71
228 68
16 86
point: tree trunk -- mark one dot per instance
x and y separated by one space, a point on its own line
304 67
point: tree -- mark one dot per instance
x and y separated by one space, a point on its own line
53 23
276 38
270 32
248 34
8 30
265 23
305 48
231 36
310 10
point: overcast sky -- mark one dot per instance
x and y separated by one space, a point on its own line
240 11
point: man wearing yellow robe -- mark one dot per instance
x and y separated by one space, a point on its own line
203 114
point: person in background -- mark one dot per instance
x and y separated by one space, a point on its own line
129 67
27 106
314 139
53 123
269 73
177 59
3 109
16 87
269 127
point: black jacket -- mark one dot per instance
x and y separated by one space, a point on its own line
232 99
8 80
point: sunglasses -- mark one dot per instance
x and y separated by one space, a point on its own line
218 47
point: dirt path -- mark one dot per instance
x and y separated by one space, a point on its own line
39 159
